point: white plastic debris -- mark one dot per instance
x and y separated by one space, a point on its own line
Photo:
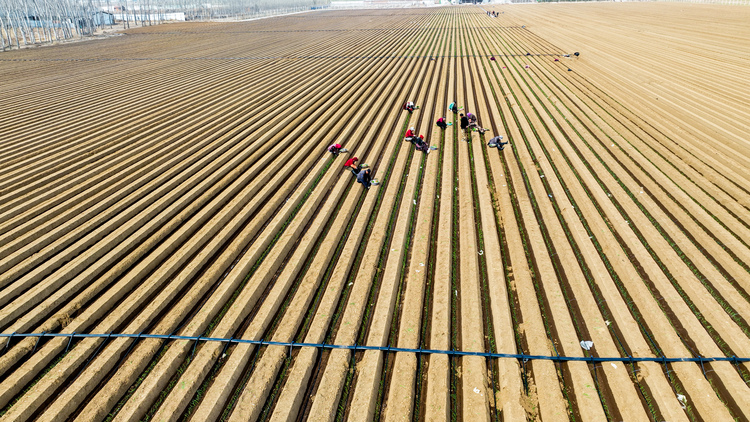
417 270
415 201
587 344
421 264
456 291
613 144
607 322
481 252
476 390
683 400
351 284
541 176
550 195
613 365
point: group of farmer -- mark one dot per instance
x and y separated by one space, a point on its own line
468 123
361 171
419 143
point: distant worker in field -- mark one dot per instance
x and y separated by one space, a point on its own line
409 135
473 125
442 124
335 149
497 141
351 164
464 122
421 145
366 179
454 107
410 107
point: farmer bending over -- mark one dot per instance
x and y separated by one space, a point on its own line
351 164
410 135
464 122
441 123
497 142
335 149
421 145
366 179
473 123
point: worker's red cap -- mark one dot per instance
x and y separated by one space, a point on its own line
421 136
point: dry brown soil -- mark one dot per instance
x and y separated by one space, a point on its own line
175 180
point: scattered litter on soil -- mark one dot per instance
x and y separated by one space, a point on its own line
683 400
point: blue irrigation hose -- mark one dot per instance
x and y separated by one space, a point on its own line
10 337
37 342
524 357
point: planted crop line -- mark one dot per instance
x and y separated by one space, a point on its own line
105 59
311 30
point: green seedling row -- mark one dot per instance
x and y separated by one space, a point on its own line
532 265
41 375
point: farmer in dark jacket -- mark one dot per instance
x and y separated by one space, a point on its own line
465 124
366 179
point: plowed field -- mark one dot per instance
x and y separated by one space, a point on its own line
175 180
